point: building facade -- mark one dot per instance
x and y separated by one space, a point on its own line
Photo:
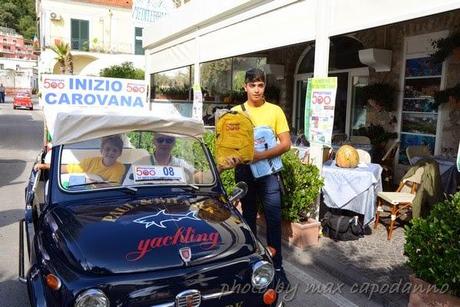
361 44
100 34
14 46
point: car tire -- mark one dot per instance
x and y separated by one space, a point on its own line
14 107
31 108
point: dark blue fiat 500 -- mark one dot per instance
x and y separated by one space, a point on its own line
131 212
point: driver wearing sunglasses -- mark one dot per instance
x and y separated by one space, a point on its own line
164 144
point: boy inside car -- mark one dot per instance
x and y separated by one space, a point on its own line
106 166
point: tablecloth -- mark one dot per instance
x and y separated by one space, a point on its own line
447 170
353 189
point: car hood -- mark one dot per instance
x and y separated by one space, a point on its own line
147 234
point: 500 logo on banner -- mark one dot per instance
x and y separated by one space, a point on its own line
53 83
135 88
93 91
321 98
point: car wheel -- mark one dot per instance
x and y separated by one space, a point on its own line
14 107
31 108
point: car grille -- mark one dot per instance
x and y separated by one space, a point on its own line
188 298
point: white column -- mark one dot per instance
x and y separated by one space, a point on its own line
197 108
322 42
321 67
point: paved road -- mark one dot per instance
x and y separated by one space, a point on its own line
20 140
21 134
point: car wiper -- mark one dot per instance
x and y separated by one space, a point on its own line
92 182
131 189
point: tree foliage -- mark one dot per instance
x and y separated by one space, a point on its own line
19 15
125 71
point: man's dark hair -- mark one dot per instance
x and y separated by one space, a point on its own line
114 140
254 75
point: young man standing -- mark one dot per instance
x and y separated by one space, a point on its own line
267 188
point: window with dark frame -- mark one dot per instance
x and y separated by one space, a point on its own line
138 41
79 30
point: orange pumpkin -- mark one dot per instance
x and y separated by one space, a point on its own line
347 157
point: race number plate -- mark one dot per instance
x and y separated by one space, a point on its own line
152 173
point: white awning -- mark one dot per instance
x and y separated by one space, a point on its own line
82 124
231 28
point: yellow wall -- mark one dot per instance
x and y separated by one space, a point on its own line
111 27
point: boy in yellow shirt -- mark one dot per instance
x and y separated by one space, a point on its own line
107 167
267 188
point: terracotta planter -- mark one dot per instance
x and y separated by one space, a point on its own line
424 294
301 235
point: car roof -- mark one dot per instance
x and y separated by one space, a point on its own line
73 125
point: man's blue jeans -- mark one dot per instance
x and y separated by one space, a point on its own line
2 97
267 190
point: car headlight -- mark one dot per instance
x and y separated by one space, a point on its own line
93 298
262 274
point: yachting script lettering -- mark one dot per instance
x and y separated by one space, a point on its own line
207 240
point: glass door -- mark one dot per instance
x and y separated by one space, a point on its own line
358 105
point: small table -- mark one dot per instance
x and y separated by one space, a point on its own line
447 170
353 189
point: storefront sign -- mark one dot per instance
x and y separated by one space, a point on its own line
147 12
96 92
319 109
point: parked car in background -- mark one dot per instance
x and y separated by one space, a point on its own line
23 100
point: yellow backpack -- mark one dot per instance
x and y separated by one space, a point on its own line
234 137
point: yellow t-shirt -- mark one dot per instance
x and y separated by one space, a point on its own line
95 166
268 114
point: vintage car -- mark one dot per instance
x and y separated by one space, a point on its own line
162 234
23 100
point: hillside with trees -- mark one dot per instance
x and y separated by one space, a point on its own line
19 15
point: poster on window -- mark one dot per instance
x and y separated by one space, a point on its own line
319 109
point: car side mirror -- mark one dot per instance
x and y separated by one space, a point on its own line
239 191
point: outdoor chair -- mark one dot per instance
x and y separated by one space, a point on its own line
417 151
399 200
364 156
359 139
387 163
339 138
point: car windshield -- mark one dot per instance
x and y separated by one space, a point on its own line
135 159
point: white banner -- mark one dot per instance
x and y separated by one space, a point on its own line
147 12
93 92
319 109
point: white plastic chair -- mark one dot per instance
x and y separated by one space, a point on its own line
364 156
417 151
359 139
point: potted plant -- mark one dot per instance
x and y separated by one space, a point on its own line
433 251
444 47
302 184
379 96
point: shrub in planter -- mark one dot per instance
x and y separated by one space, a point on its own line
302 186
433 246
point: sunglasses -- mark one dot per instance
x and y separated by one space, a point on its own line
164 140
